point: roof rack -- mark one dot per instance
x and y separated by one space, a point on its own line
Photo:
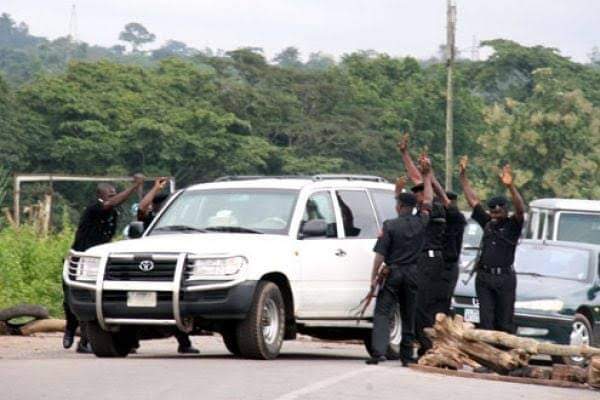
319 177
349 177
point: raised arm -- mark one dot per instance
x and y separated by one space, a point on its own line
411 168
427 173
159 185
470 195
507 180
439 191
120 198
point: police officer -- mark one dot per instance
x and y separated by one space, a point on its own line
149 206
399 246
455 227
97 226
433 280
496 281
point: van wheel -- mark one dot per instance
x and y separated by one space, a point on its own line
393 350
230 341
581 334
109 344
260 334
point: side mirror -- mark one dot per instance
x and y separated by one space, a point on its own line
314 228
136 230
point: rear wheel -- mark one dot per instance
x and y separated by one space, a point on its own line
393 350
581 334
109 344
260 334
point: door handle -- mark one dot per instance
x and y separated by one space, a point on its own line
340 253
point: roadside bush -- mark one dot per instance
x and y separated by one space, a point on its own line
31 267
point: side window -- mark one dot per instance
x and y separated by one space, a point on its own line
533 224
320 206
540 229
385 204
550 226
357 214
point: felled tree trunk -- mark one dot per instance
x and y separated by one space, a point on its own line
569 373
43 325
594 372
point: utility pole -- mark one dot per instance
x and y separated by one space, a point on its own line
450 52
73 24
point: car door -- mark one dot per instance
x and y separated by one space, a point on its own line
320 287
359 230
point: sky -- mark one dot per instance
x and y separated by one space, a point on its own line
396 27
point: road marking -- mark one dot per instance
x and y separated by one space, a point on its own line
324 383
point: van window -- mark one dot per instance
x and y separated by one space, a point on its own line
357 213
385 204
533 224
575 227
550 226
320 206
540 229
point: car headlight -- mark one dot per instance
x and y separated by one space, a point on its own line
87 269
541 305
211 267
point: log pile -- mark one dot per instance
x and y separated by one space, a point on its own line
28 319
457 345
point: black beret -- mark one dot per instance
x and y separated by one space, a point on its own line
498 201
451 195
419 187
406 199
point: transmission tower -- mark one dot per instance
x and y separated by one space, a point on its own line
73 24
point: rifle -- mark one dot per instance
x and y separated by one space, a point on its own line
361 308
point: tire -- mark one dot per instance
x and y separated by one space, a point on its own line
230 341
109 344
393 350
24 310
581 334
260 334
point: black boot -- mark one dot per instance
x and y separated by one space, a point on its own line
68 339
84 347
375 360
187 350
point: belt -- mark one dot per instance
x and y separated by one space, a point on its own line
496 270
433 253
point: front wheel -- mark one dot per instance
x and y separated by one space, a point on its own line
581 334
230 341
109 344
260 334
393 350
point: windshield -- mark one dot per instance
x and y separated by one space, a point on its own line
574 227
553 262
230 210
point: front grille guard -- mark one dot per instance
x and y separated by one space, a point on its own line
176 286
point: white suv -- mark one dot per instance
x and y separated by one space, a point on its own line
257 259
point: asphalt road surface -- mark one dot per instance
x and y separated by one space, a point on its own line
37 368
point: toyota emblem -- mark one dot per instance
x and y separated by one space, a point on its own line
146 266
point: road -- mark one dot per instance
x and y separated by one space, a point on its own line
36 368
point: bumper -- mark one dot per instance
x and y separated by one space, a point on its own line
178 303
554 328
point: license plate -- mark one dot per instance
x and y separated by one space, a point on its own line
141 299
472 315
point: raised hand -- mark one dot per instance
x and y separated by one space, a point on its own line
138 179
424 164
506 176
403 143
161 183
462 164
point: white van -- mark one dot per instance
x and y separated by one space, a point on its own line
256 259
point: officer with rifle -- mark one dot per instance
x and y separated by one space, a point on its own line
399 246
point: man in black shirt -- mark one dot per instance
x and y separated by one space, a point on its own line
399 246
496 281
455 227
97 226
149 206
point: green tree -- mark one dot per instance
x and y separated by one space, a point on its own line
288 58
136 35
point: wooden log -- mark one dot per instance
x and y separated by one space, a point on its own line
593 378
503 339
4 328
439 360
532 372
569 373
43 325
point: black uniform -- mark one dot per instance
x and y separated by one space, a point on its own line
96 226
455 227
432 288
496 281
400 243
